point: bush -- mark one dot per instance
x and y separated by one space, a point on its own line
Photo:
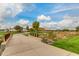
26 34
51 35
18 28
34 32
44 40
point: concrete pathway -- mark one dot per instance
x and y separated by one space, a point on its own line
21 45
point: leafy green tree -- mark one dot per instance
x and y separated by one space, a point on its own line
65 29
77 28
35 29
35 25
27 27
31 30
18 28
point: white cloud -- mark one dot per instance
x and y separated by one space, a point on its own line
23 22
64 7
15 9
8 9
3 26
49 25
43 17
29 7
67 22
12 9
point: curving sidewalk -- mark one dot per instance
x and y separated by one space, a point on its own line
21 45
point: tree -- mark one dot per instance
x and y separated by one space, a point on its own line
35 29
31 31
77 28
27 28
18 28
65 29
35 25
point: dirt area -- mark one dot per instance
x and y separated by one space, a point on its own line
64 34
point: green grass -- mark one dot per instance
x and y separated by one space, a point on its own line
1 36
2 33
14 32
70 44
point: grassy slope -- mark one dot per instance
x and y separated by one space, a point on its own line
2 33
70 44
1 36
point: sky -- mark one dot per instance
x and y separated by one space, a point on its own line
50 15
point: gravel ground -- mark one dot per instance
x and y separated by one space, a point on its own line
2 47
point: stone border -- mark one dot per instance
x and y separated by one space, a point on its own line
3 44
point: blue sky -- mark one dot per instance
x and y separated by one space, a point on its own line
50 15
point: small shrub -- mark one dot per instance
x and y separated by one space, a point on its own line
44 40
26 34
47 41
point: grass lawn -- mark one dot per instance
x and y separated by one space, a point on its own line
70 44
2 33
1 36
